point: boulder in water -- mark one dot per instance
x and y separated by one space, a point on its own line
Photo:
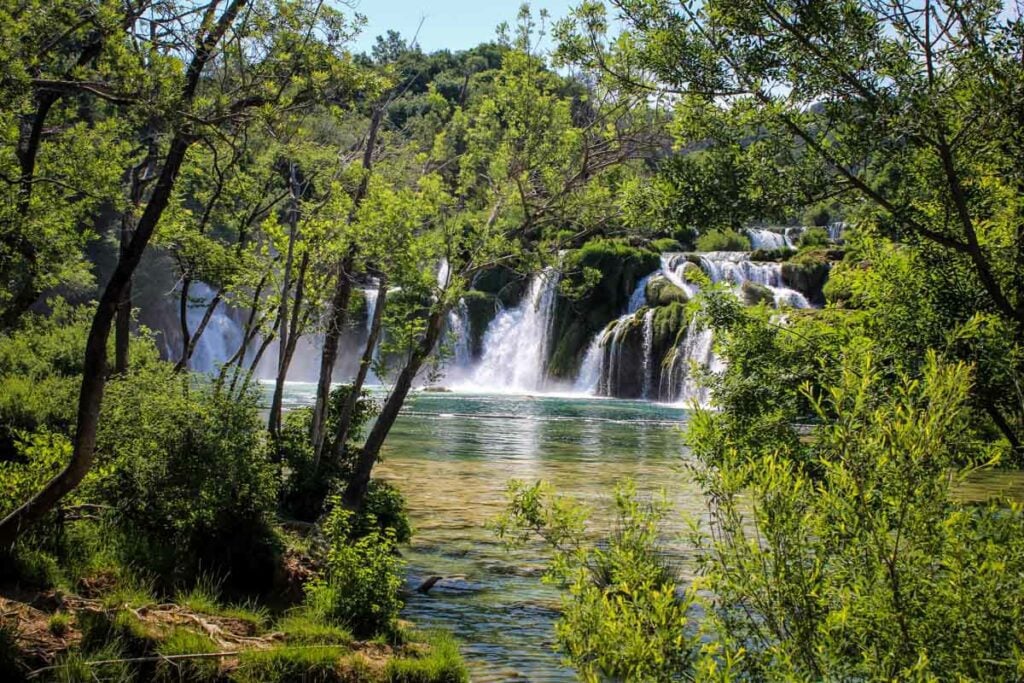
754 294
661 292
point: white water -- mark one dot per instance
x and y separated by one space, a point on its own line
516 344
648 351
589 377
768 239
221 337
735 268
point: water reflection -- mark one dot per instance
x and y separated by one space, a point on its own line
452 456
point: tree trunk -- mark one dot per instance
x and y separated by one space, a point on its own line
94 367
95 363
339 302
355 492
288 351
348 408
274 421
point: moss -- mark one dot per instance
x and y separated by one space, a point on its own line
807 272
670 322
661 292
780 254
665 244
505 284
481 307
754 294
619 267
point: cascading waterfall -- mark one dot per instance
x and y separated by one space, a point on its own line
673 268
516 344
221 337
761 238
735 268
648 351
458 329
591 369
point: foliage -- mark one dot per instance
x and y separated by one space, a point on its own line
725 239
844 556
622 615
188 475
814 237
359 587
309 482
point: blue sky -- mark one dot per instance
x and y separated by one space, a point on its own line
453 24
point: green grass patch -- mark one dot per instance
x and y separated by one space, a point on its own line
184 641
303 628
309 664
440 663
58 623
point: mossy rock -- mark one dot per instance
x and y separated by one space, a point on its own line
482 307
763 255
577 320
626 342
754 294
661 292
807 273
505 284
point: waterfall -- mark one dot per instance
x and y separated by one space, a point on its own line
735 268
761 238
459 330
222 336
679 381
639 296
673 267
648 351
588 379
516 343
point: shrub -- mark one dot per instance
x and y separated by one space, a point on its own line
187 473
11 666
362 576
665 244
814 237
725 239
307 483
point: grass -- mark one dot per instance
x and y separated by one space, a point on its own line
184 641
442 663
302 628
204 598
58 623
317 664
76 666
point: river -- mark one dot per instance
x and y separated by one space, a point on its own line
452 455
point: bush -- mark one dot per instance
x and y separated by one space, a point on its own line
814 237
665 244
723 240
308 484
187 473
362 576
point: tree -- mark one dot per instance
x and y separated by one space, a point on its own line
911 108
283 64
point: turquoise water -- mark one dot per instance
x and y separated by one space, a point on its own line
452 456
